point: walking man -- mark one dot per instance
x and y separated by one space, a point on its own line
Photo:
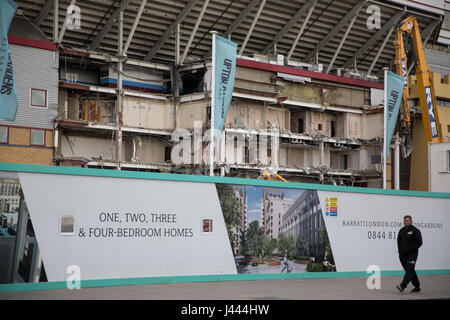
409 241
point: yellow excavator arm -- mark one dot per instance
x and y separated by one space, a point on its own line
267 176
425 87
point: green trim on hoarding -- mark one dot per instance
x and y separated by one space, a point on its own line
61 285
32 168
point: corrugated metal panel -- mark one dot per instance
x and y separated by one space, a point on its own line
38 69
438 61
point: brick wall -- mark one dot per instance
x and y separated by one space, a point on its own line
19 150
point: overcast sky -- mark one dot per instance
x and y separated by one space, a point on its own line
254 201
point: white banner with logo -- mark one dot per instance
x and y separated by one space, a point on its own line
363 229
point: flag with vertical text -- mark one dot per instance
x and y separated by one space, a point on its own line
8 91
225 67
394 88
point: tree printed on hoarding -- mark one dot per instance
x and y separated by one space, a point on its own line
230 209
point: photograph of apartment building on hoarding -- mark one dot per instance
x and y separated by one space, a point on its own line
265 224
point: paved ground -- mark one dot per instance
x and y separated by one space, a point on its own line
293 267
434 287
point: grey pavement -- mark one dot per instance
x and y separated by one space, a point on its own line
434 287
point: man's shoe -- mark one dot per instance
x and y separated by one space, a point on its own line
400 288
415 290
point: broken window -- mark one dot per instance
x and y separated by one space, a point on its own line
319 127
192 81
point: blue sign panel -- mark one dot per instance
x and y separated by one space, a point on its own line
431 116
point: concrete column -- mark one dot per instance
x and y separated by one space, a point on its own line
275 144
55 20
119 106
321 147
177 45
222 154
397 164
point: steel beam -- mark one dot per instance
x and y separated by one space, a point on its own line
194 31
55 20
338 50
289 25
244 13
354 11
386 39
170 30
177 44
255 19
135 23
241 17
300 32
392 22
43 13
107 27
120 93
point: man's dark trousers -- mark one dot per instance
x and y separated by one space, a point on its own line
409 265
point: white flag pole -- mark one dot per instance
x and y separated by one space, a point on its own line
213 95
384 129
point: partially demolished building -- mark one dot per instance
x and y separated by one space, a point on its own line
328 130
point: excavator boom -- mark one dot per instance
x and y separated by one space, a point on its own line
425 87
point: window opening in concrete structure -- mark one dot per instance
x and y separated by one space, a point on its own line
376 158
333 128
192 81
344 159
167 154
300 126
319 127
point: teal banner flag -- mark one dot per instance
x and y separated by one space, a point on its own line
225 68
8 91
394 91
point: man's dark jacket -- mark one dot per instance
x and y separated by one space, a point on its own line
409 241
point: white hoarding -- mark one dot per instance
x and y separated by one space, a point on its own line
121 227
364 227
126 228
